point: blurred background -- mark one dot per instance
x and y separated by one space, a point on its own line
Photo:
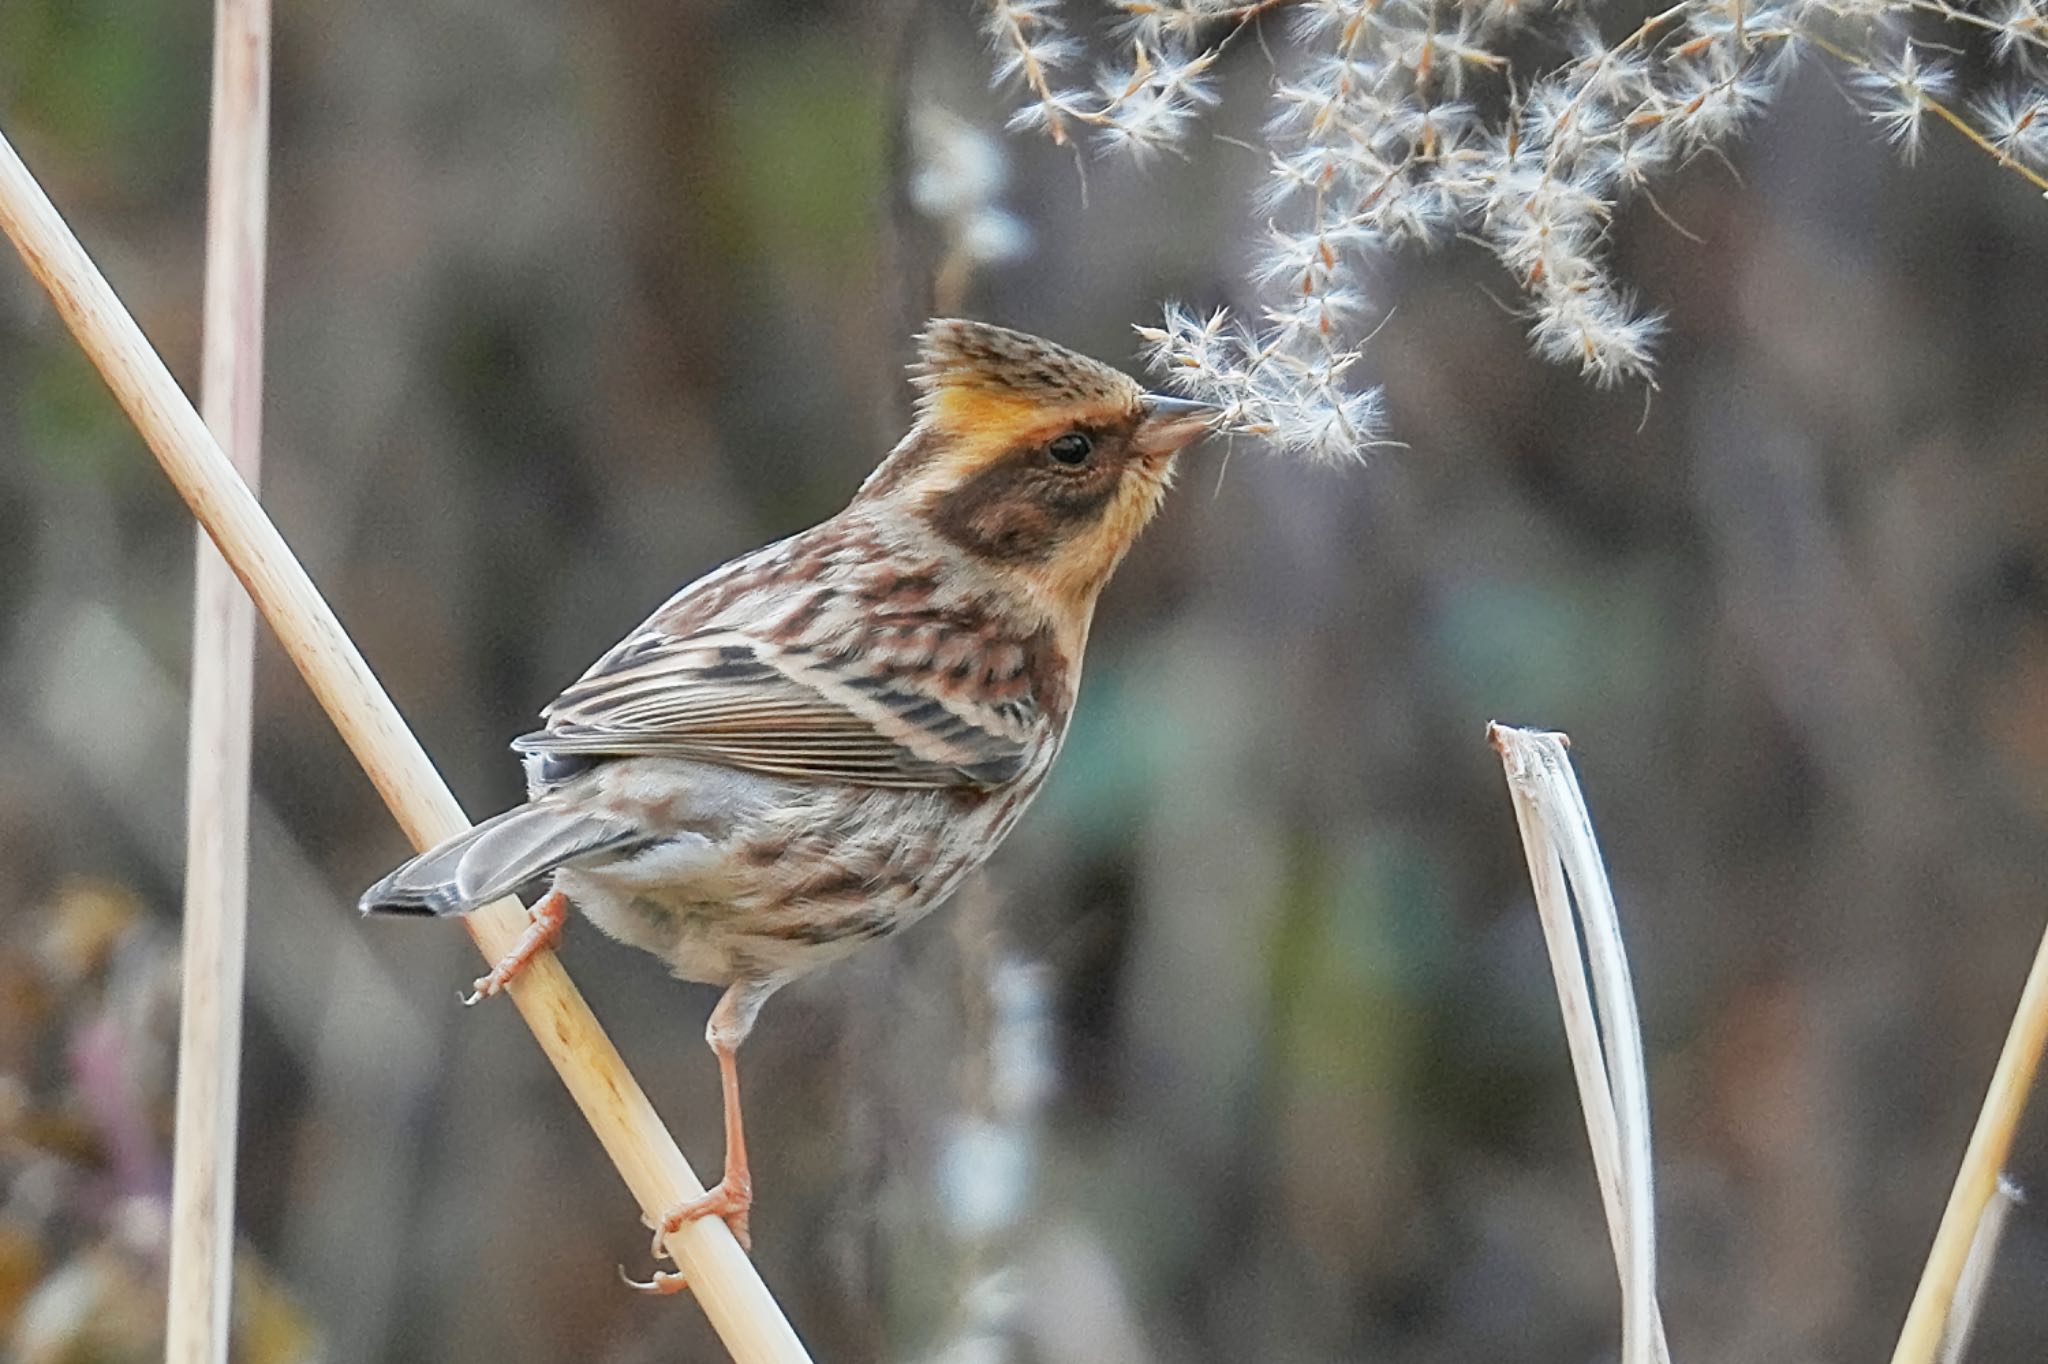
1245 1047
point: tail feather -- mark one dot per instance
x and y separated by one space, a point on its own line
495 858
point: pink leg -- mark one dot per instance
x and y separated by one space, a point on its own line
733 1195
730 1198
544 931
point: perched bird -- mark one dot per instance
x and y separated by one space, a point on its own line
809 748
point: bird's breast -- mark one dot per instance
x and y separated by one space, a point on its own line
790 875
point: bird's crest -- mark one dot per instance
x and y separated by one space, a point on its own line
972 365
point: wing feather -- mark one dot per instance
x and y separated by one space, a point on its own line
723 695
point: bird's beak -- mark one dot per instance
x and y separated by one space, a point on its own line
1171 423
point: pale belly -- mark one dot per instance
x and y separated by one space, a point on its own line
758 878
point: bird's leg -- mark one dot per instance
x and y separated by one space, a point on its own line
543 931
733 1195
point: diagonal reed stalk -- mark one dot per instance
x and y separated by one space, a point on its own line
1565 867
197 1321
1977 1179
738 1304
1976 1276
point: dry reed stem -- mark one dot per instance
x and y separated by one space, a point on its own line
1607 1054
738 1304
198 1323
1969 1301
1977 1180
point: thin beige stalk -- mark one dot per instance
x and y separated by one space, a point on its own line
1983 1160
197 1322
734 1298
1940 110
1962 1314
1602 1030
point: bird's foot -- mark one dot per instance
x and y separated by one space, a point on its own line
543 932
729 1199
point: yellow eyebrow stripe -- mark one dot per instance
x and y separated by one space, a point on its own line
970 410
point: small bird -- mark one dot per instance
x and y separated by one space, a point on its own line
809 748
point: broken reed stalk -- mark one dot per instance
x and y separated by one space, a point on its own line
197 1322
1565 866
1984 1161
738 1304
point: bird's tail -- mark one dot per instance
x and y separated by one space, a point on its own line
496 858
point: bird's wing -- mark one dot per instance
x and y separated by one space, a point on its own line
874 709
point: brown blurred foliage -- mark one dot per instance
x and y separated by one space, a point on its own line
570 304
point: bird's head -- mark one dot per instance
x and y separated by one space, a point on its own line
1041 463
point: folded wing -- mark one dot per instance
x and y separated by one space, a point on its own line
722 695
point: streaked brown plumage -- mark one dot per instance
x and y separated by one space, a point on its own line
810 747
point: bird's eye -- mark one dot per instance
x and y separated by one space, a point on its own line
1071 448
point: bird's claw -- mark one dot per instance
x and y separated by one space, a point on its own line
543 933
661 1283
729 1200
725 1199
482 988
